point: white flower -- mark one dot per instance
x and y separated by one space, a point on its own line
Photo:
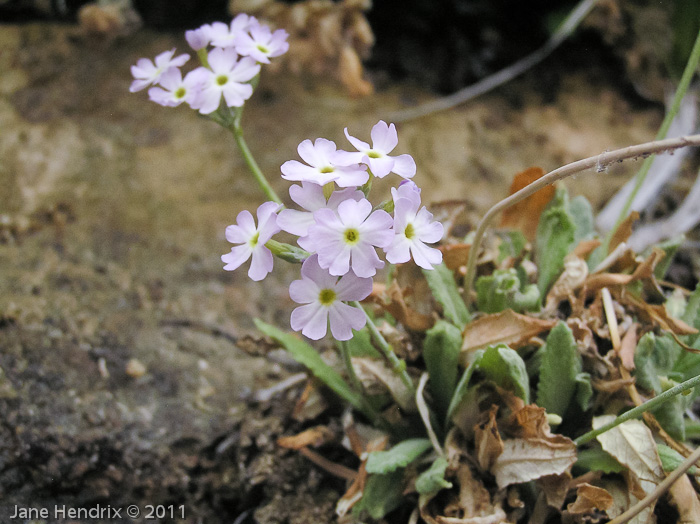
324 166
261 43
147 73
174 90
347 238
227 77
322 295
413 228
199 38
384 140
223 35
310 197
252 241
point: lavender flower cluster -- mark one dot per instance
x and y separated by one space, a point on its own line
339 229
227 69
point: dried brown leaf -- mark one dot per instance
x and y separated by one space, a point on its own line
376 376
487 440
525 215
473 504
645 270
590 498
315 437
505 327
455 255
574 275
555 488
526 459
392 299
623 231
354 492
627 347
684 497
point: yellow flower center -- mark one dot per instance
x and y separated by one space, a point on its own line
409 232
352 236
326 297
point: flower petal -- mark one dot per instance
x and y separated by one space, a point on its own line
237 256
384 138
345 318
311 319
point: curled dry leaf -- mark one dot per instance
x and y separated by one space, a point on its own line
506 327
526 459
574 275
643 271
623 231
633 446
314 437
590 498
354 492
377 377
628 346
392 300
487 440
555 488
455 256
525 215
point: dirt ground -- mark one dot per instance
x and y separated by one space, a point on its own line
121 380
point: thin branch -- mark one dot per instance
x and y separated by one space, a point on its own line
662 488
640 410
565 30
600 162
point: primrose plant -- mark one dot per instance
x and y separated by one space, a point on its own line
341 233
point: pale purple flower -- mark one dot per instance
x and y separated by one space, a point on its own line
174 90
227 77
252 240
199 38
347 238
407 189
324 166
311 198
261 43
224 35
384 140
147 73
413 228
323 296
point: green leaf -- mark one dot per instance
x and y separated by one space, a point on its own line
506 368
463 385
671 414
360 345
584 390
692 313
502 290
581 212
597 459
399 456
432 479
512 245
561 363
382 494
309 357
441 349
555 236
655 357
671 459
442 284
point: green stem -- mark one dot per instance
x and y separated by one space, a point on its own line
688 73
237 131
640 410
347 360
398 365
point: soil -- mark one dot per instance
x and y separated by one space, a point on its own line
123 378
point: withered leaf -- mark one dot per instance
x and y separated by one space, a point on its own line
590 498
455 255
506 327
313 437
526 459
525 215
685 499
555 488
487 440
392 299
623 231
